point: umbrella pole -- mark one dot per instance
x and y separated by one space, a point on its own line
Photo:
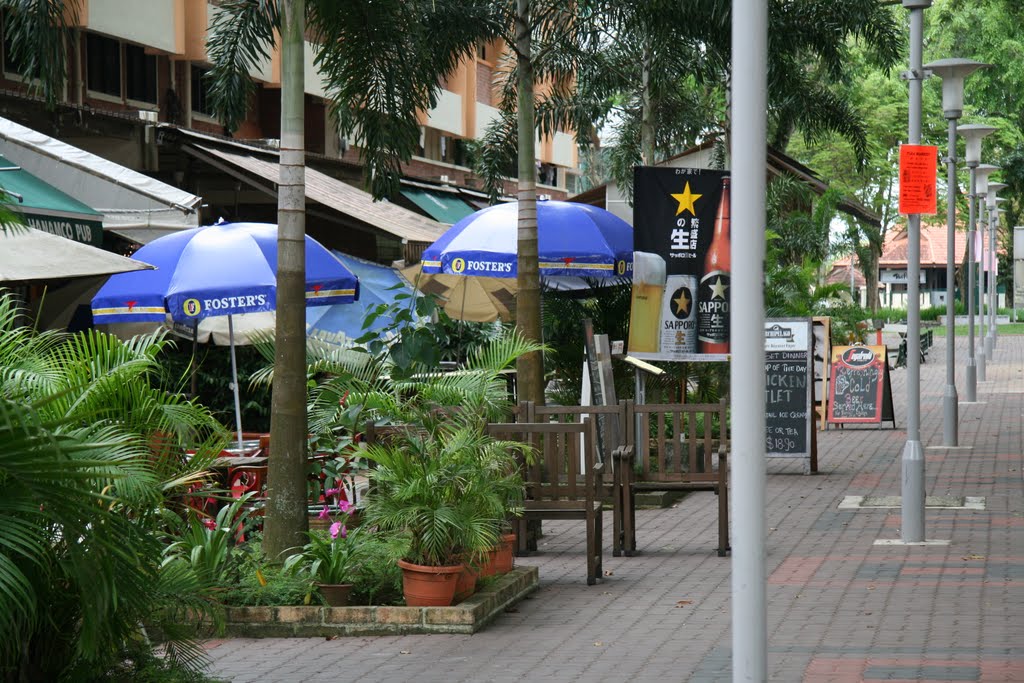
234 381
195 359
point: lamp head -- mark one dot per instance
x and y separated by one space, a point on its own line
953 71
981 174
993 190
972 134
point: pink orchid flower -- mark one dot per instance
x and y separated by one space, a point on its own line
210 524
337 528
325 513
344 505
332 492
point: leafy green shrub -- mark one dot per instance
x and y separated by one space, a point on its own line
260 584
379 580
209 546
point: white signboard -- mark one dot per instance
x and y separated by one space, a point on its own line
897 276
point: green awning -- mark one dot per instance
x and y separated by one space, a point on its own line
46 208
441 206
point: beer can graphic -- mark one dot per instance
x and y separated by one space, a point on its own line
679 315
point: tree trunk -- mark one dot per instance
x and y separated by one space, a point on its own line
285 519
869 269
647 115
529 368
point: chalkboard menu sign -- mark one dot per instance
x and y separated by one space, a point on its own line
859 389
789 391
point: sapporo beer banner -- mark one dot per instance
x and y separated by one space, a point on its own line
681 265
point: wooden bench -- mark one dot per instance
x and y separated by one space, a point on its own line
676 459
563 480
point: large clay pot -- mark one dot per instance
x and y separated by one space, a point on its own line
335 594
466 584
429 586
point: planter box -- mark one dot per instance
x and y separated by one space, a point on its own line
468 616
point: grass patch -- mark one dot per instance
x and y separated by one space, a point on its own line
961 330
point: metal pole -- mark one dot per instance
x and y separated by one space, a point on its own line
912 490
234 382
748 163
990 340
971 378
950 414
982 302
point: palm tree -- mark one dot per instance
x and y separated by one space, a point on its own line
80 500
657 77
382 64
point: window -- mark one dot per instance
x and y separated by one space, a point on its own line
201 91
103 56
139 74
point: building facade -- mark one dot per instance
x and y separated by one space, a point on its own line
136 79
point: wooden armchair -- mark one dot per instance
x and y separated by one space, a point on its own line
563 482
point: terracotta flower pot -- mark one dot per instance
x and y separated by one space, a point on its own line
466 584
499 559
429 586
505 557
335 594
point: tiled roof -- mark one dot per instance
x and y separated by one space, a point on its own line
933 247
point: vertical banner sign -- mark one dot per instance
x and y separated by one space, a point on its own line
789 388
918 168
681 265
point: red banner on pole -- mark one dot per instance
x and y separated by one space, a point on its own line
918 169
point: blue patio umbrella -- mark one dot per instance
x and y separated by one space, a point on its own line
377 285
226 269
574 240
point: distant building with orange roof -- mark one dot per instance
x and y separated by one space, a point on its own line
892 265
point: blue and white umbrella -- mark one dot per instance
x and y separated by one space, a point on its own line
226 269
574 240
377 285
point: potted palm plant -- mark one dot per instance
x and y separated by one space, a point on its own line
439 477
436 487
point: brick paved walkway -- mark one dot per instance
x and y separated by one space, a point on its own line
840 608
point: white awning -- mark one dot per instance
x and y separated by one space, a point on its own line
27 254
133 204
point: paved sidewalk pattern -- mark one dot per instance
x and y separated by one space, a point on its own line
840 607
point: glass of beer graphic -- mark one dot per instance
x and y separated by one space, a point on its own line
645 307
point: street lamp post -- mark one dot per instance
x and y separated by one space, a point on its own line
912 462
952 72
993 301
972 134
982 173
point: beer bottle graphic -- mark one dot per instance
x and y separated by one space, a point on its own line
713 291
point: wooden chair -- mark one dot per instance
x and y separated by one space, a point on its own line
679 457
562 482
614 418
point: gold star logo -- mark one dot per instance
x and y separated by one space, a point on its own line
682 303
718 289
686 200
